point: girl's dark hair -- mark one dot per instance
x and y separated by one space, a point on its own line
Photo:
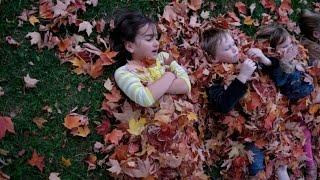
275 33
127 24
309 22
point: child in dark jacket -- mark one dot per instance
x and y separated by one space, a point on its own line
221 46
286 76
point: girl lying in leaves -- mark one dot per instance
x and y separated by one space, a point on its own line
221 46
147 75
310 27
285 74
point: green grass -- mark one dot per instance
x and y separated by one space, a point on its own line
58 87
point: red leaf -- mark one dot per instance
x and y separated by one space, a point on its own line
268 121
241 7
114 137
106 57
5 125
36 160
45 9
269 4
103 128
114 96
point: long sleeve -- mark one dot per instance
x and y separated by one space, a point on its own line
292 84
224 100
175 68
131 85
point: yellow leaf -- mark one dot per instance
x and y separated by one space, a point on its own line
136 127
33 20
79 64
192 116
81 131
66 162
248 21
39 122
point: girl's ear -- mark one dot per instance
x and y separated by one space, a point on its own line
129 46
316 34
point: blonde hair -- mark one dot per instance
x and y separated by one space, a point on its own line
211 38
309 22
274 33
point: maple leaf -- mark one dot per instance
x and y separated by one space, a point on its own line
35 38
115 166
74 120
65 44
268 4
248 21
5 125
106 57
54 176
114 137
127 114
33 20
242 8
37 160
195 4
136 127
79 64
169 13
91 160
82 131
108 84
30 82
39 122
114 96
140 170
65 162
85 25
45 9
103 128
59 9
12 42
96 69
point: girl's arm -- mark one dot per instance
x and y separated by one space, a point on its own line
182 84
131 85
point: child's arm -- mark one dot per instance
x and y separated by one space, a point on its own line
225 100
181 85
291 85
131 85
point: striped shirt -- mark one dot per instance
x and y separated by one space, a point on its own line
133 81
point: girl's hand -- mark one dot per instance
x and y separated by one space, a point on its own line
246 70
257 54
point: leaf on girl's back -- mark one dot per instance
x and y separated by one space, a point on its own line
30 82
37 160
6 124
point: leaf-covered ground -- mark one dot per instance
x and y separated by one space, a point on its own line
43 141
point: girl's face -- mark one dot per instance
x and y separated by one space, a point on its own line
287 50
145 44
227 51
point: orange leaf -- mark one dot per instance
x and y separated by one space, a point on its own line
45 9
248 21
241 7
81 131
194 4
5 125
314 108
92 161
96 69
114 137
74 120
65 44
106 57
79 64
66 162
37 160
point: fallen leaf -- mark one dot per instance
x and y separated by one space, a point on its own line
35 38
106 57
60 9
54 176
33 20
195 4
65 44
79 64
39 122
30 82
115 166
85 25
242 8
192 116
11 41
92 161
136 127
114 137
248 21
114 96
37 160
6 124
74 120
103 128
66 162
108 84
4 152
3 176
82 131
205 14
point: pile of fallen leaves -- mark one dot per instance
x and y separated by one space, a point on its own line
181 135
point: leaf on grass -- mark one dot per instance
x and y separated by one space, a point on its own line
85 25
12 42
108 84
136 127
82 131
37 160
30 82
66 162
35 38
103 128
33 20
92 161
6 124
54 176
248 21
79 64
39 122
74 120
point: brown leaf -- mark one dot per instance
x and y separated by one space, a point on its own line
45 9
39 122
92 161
5 125
106 57
37 160
195 4
33 20
114 137
65 162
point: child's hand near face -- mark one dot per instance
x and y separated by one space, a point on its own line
257 54
246 70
